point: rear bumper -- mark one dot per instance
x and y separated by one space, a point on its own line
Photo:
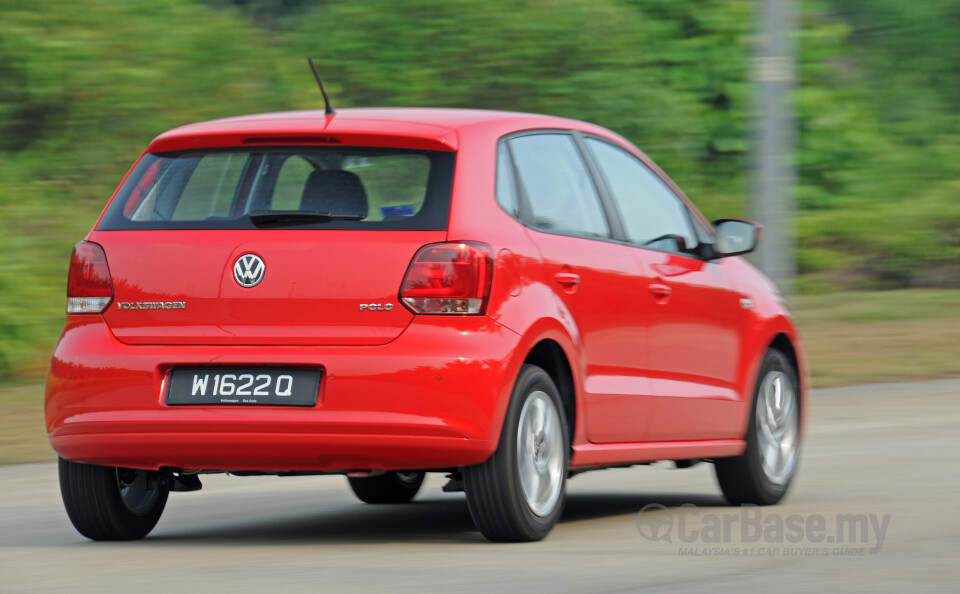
433 398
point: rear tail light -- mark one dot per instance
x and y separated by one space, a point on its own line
89 289
449 278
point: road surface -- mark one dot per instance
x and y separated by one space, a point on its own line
879 468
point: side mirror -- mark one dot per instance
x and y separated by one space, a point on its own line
735 237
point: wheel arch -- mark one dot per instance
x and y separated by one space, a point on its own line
779 333
789 347
782 343
549 356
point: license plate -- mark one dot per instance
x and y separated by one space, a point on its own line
243 386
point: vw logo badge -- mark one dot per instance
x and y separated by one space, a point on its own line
248 270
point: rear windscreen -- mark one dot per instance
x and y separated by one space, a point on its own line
329 188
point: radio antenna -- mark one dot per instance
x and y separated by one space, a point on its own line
328 107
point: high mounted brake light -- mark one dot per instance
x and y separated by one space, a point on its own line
89 288
449 278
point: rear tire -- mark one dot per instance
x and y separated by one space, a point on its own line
518 494
762 474
390 487
108 503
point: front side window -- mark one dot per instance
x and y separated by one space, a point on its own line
560 195
244 188
653 216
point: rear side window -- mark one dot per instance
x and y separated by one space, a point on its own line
506 183
560 195
650 210
356 188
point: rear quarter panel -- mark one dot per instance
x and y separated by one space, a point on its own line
520 299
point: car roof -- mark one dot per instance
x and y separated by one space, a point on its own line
413 127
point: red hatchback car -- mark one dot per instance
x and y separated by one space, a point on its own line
506 298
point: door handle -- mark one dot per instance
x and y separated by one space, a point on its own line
568 278
660 291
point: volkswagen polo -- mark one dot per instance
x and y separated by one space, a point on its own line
509 299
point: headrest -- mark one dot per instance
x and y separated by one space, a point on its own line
334 191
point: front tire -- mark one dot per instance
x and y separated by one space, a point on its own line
762 474
108 503
518 494
390 487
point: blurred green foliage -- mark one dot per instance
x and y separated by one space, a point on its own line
85 84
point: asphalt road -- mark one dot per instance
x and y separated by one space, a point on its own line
881 460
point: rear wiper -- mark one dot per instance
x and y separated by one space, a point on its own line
294 217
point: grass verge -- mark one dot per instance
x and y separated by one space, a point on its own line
882 336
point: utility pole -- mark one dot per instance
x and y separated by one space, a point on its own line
773 168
